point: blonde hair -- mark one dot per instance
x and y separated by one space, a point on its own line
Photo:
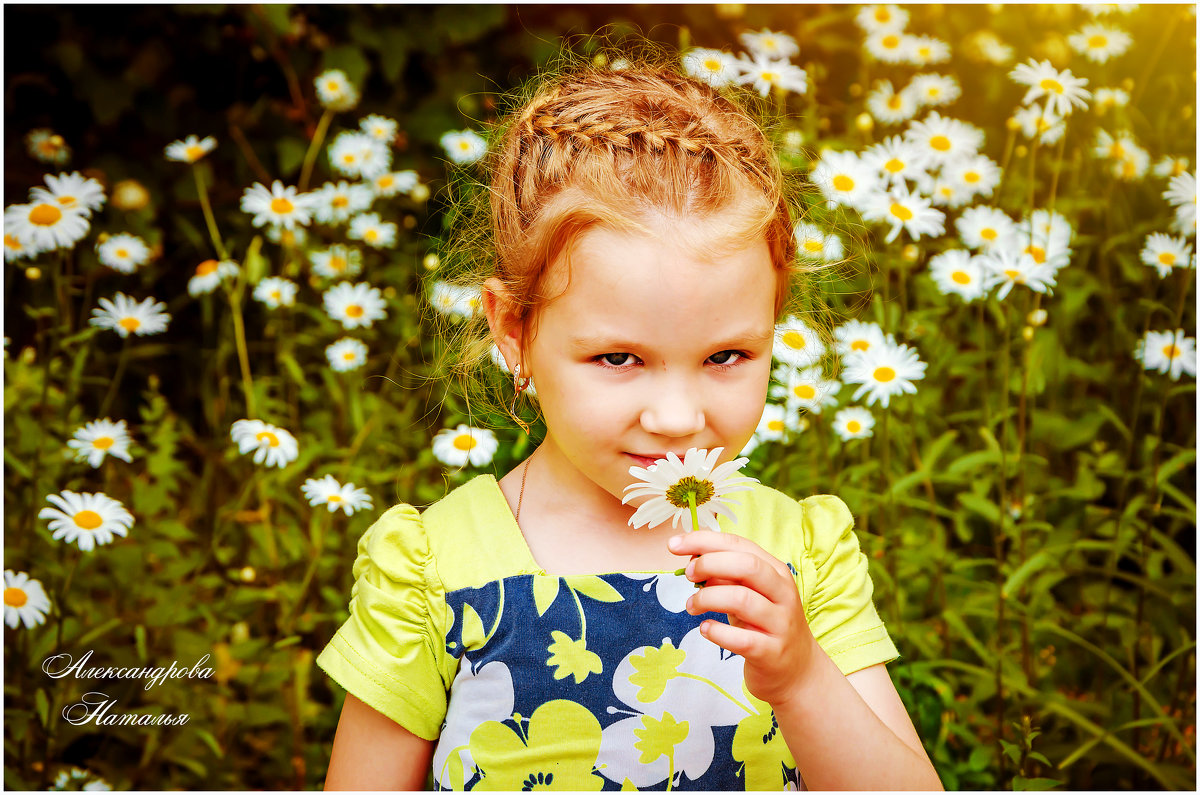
609 147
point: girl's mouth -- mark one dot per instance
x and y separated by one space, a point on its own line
643 461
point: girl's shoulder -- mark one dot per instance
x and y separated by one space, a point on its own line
780 523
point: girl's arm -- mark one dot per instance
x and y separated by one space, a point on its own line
845 732
373 752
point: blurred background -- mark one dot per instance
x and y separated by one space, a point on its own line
1029 512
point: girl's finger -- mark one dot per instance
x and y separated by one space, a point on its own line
739 640
744 569
701 542
745 607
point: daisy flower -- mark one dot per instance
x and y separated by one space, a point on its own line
894 160
925 50
280 206
1098 42
272 446
853 422
190 149
1106 99
100 438
939 139
357 154
381 128
456 300
45 225
890 107
813 243
1008 267
1167 352
1168 166
335 91
884 370
355 305
933 89
86 519
15 248
804 389
769 44
47 146
774 426
714 67
1129 161
696 486
1180 194
957 272
336 262
336 203
456 447
1100 9
766 74
372 230
126 316
1163 252
123 252
944 192
70 192
209 274
1063 91
844 179
796 343
1038 122
391 183
25 600
334 495
463 146
876 18
889 45
346 354
1045 236
289 238
987 47
977 174
903 210
855 337
275 291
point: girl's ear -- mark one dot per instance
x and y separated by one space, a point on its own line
504 320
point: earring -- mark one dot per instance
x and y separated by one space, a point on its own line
519 385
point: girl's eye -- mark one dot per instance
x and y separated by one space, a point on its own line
727 358
617 359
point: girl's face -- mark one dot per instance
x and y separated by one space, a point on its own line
656 344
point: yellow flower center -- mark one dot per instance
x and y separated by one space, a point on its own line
890 42
348 356
812 245
354 310
340 201
334 498
1171 351
268 437
776 425
882 14
1097 42
988 233
894 102
385 181
934 91
332 86
1038 253
860 345
843 183
854 426
1050 84
88 520
276 295
971 177
804 392
12 242
924 51
894 165
371 235
67 201
702 490
884 374
206 267
337 263
121 253
946 191
960 277
129 323
45 215
348 157
770 77
15 597
194 152
465 441
464 145
940 143
1015 275
103 443
712 64
900 211
794 340
281 206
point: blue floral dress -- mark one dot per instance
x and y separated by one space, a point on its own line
585 682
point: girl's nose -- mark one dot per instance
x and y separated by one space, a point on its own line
673 415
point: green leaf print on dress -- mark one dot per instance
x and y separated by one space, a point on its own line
571 658
759 746
556 749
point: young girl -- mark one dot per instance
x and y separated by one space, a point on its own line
520 634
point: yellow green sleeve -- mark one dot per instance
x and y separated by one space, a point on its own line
390 653
840 609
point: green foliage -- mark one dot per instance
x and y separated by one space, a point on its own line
1029 513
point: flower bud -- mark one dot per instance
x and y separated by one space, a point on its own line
910 252
130 195
420 193
1037 317
431 262
1021 150
33 273
864 122
247 574
1027 333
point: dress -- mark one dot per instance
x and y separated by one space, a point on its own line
582 682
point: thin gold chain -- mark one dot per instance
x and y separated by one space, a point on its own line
521 496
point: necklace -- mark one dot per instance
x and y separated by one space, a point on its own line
521 496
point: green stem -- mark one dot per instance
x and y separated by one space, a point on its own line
239 333
692 508
310 157
209 219
115 384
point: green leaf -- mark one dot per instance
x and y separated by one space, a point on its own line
980 505
290 152
1026 570
256 265
350 60
1177 462
473 635
1022 783
545 591
593 587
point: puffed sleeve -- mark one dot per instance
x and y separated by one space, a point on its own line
391 652
838 603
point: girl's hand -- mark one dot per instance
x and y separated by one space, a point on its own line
766 618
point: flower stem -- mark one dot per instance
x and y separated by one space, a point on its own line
692 508
310 157
113 385
209 219
239 333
